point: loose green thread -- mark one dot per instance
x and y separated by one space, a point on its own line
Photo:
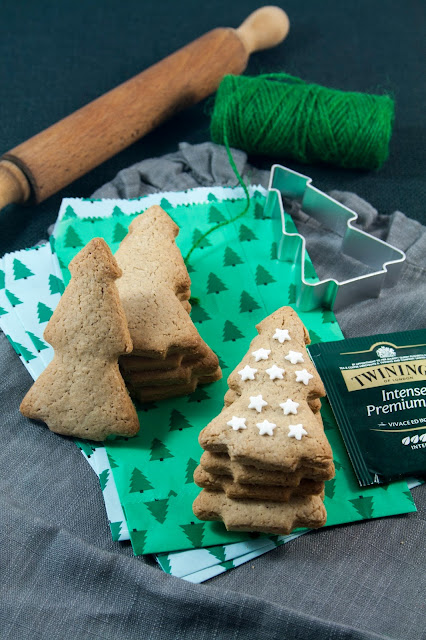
238 216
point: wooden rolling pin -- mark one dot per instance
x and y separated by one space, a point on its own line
49 161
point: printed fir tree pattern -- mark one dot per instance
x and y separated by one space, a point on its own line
231 332
56 285
263 277
259 213
14 300
190 468
166 205
197 239
103 478
198 314
215 216
178 421
158 509
194 532
246 234
159 451
364 506
215 284
69 213
20 270
21 350
231 258
39 344
119 233
116 530
199 395
44 313
247 303
72 239
139 482
139 541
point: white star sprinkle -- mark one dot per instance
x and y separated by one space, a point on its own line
261 354
257 402
289 406
275 372
237 423
281 335
295 357
247 373
266 428
303 376
296 431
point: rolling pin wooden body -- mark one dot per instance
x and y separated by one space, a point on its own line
57 156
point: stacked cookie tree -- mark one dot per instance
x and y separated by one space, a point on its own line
169 357
266 454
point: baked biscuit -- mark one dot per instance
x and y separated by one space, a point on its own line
200 367
232 489
152 394
221 464
154 288
279 518
81 392
270 424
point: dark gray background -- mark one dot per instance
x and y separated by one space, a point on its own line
57 56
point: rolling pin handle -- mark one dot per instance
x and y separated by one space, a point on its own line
14 186
263 29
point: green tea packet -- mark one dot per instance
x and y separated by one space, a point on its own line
376 386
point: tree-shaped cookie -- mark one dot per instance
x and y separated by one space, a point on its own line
269 422
276 493
221 464
263 516
81 392
155 288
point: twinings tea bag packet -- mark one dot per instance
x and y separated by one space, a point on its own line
376 386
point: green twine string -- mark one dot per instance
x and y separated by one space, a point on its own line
238 216
282 116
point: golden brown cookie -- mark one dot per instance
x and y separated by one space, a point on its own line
154 287
154 393
232 489
199 367
221 464
131 363
81 392
279 518
270 424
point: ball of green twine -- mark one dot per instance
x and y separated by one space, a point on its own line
282 116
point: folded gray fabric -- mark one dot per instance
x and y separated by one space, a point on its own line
62 577
207 164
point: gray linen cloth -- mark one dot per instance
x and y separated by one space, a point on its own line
62 577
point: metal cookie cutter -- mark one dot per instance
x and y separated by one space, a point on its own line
384 260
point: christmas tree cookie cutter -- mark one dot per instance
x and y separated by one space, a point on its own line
384 260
